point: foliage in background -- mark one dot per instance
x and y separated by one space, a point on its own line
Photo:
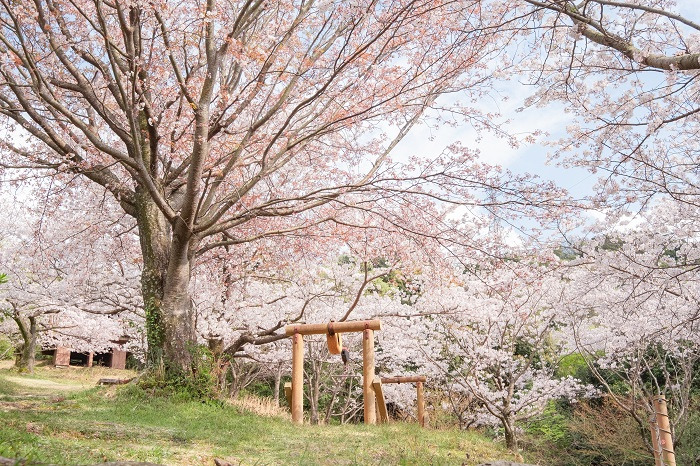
6 348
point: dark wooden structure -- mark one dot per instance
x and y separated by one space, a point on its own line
114 359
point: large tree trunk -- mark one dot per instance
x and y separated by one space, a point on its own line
27 353
170 329
167 255
154 233
178 315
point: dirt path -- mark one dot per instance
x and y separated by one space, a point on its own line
48 381
45 387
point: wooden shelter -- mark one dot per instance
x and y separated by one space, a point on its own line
114 359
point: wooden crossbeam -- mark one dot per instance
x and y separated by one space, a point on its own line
411 379
337 327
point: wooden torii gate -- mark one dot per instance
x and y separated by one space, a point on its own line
332 331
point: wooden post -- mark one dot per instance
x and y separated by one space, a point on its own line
288 393
118 359
381 402
90 356
421 404
666 442
297 379
655 440
368 375
61 356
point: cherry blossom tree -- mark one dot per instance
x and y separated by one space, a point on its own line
631 303
218 123
491 336
69 282
627 73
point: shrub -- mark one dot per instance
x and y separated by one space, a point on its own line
687 446
604 434
551 428
7 350
595 432
200 384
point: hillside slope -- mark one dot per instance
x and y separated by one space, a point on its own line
53 418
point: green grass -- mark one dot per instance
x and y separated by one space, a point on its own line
107 425
8 388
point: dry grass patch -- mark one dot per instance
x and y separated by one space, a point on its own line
6 364
6 406
261 406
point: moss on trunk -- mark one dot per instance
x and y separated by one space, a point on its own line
154 234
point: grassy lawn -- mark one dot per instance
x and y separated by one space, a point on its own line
53 417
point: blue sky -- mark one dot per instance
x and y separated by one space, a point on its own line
527 158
